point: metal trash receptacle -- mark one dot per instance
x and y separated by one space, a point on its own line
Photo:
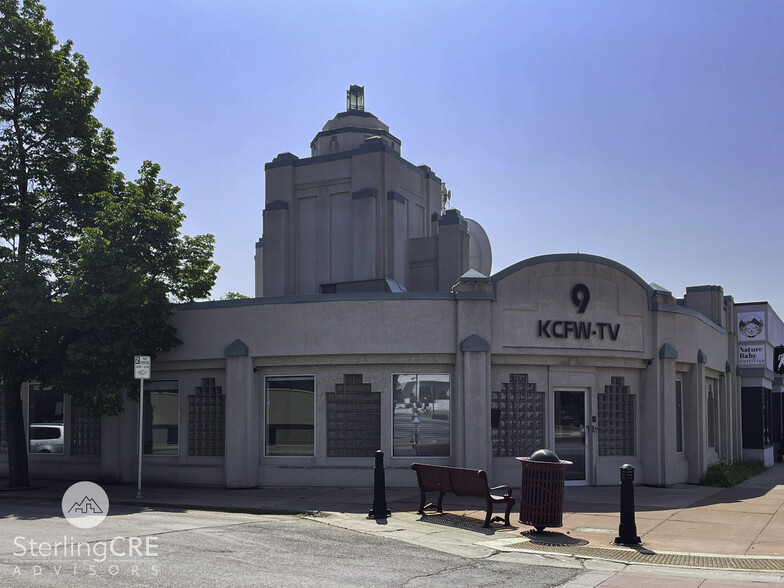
542 489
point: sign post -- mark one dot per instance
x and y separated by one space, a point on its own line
141 371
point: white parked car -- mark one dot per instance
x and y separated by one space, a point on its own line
46 438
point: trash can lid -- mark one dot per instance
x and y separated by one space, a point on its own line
544 455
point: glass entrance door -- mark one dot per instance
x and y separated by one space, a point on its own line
570 431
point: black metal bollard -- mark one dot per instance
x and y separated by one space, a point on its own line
380 510
627 530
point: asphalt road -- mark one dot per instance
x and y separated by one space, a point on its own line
134 547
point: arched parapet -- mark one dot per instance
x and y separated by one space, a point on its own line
566 257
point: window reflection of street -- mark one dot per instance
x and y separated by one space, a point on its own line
433 434
421 408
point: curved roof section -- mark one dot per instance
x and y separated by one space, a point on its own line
556 257
355 118
350 130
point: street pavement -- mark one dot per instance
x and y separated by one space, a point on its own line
691 535
207 548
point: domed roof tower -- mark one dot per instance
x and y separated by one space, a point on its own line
350 129
355 216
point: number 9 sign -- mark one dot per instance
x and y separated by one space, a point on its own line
580 297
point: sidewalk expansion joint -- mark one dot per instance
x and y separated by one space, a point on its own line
648 557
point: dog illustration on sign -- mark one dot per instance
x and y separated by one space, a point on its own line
751 328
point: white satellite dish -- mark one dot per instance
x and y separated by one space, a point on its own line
480 254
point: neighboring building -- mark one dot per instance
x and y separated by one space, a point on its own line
760 333
379 328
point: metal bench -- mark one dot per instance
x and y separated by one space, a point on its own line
460 482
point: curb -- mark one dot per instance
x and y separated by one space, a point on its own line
257 510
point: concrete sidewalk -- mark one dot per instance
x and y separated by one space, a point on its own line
691 535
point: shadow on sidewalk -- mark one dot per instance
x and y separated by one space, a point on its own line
606 499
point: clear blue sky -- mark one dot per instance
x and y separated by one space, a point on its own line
651 133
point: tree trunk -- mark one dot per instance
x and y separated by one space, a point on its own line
18 471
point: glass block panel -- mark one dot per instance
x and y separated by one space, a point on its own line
207 420
517 418
617 419
353 419
85 432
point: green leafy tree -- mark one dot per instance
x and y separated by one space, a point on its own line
133 265
90 264
53 155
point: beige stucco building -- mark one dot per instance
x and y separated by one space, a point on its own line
377 325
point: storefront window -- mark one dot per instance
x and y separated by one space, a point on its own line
46 421
679 416
766 418
3 442
290 415
161 417
711 416
421 409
